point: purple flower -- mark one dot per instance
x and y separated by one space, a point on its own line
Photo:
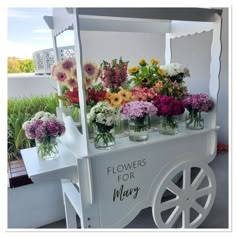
40 132
136 109
198 102
38 128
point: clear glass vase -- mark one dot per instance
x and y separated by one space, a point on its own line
194 120
168 125
119 124
47 148
138 129
104 136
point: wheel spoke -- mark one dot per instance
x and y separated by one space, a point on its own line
173 217
198 208
174 188
203 192
169 204
186 218
186 178
198 179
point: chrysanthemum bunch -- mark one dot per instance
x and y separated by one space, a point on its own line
114 74
142 94
175 71
168 106
168 87
43 124
137 109
65 73
102 114
145 75
198 102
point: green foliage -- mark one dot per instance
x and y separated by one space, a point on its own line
20 65
21 110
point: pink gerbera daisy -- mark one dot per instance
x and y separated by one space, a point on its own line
61 76
71 82
90 69
67 64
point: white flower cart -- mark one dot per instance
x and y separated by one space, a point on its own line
168 173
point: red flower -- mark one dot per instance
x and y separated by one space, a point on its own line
73 96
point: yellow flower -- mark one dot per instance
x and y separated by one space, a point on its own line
133 70
142 62
160 71
115 100
125 95
154 61
145 81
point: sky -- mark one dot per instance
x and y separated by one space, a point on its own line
27 31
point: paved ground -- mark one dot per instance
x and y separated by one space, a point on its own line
217 218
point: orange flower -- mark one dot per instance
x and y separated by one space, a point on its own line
125 95
115 100
158 86
170 90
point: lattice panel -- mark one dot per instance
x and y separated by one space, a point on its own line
66 53
49 60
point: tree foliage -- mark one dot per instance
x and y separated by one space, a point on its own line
16 65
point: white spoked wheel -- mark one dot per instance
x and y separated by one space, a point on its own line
185 196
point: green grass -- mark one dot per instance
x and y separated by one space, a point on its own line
21 110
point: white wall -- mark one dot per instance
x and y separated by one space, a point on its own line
223 96
25 85
35 205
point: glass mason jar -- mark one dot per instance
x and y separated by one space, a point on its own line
138 129
104 136
168 125
119 124
47 148
90 130
194 120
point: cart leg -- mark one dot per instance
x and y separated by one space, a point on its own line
70 214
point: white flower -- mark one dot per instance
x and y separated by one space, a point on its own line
39 115
25 124
175 69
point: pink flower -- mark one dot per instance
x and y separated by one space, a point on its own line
67 64
137 109
198 102
89 68
61 76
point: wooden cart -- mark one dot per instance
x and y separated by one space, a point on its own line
168 173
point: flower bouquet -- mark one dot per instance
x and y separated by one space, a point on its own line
166 86
116 101
175 71
145 75
142 94
195 104
44 128
168 108
64 72
114 74
137 113
102 116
